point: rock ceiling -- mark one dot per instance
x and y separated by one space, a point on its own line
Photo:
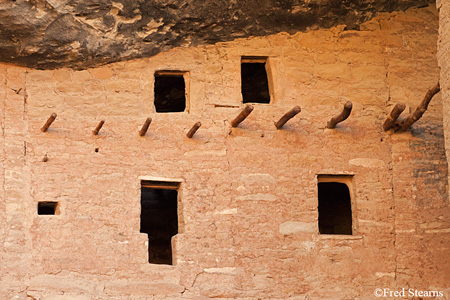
84 33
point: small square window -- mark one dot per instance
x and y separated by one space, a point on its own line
335 211
170 91
254 80
48 208
159 218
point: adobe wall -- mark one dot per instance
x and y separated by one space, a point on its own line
248 196
444 63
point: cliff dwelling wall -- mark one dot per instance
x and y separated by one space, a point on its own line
247 197
443 59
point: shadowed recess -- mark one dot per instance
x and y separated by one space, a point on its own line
170 93
159 220
255 87
47 208
335 213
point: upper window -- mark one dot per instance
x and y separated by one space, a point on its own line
254 81
335 211
170 91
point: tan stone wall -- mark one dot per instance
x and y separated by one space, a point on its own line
444 62
248 197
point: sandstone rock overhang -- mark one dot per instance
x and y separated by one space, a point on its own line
48 34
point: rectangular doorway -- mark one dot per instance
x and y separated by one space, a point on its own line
159 218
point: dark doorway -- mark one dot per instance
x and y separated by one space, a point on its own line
335 212
159 219
170 93
255 85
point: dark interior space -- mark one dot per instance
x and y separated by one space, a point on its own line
255 87
335 212
47 208
159 219
170 93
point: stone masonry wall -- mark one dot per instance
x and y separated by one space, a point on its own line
444 62
248 196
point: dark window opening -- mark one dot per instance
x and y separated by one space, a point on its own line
255 85
47 208
159 219
335 212
170 93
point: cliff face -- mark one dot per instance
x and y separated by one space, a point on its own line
85 33
444 64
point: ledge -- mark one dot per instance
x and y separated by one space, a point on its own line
340 237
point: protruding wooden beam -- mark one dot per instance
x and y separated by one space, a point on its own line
342 116
99 126
45 158
49 122
420 110
393 116
287 116
144 128
241 117
193 130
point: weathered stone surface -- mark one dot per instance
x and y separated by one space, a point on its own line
296 227
80 34
443 55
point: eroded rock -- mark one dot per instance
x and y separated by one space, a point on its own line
85 33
